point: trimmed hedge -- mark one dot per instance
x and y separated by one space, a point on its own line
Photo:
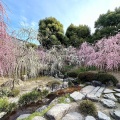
104 78
75 72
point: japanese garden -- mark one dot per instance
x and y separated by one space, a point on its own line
72 74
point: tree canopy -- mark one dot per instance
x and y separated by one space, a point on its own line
50 32
77 34
107 24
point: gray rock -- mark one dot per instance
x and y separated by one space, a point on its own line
117 95
41 108
90 118
24 77
22 116
58 111
65 84
110 96
102 116
99 92
38 118
108 91
77 96
54 102
92 97
73 116
67 100
86 90
117 90
115 114
108 103
96 83
118 85
2 114
68 79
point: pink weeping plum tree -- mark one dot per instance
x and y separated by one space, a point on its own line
6 46
105 54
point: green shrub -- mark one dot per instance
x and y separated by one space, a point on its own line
104 78
29 97
87 77
66 68
11 107
3 104
4 92
87 107
45 93
14 92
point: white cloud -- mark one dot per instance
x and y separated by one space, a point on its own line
24 22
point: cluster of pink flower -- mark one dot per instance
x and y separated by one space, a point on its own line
105 54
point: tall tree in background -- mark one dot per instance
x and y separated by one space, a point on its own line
107 25
77 34
50 32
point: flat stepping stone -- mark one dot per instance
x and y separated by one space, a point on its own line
108 91
58 111
108 103
117 95
110 96
92 97
77 96
117 90
95 94
99 92
102 116
90 118
95 90
73 116
115 114
87 89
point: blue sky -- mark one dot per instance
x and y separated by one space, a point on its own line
66 11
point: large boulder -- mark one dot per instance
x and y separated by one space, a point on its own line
110 96
58 111
77 96
108 103
102 116
38 118
90 118
115 114
73 116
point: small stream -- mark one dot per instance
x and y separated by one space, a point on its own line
30 108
